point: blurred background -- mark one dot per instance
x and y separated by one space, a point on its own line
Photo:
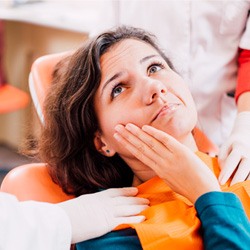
28 30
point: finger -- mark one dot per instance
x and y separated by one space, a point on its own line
129 220
115 192
158 152
153 143
130 201
167 140
242 172
231 164
139 139
130 137
139 151
135 146
225 150
129 210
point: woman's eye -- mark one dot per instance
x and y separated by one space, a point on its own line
117 90
154 68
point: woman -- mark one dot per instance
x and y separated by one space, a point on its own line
122 78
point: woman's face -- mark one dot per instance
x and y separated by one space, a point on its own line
137 86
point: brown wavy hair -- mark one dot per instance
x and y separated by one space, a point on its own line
66 142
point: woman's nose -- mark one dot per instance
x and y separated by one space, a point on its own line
153 89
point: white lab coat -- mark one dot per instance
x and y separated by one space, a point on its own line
202 40
32 225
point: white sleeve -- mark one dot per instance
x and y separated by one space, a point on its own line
32 225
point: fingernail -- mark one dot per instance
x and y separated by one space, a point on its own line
119 127
117 136
145 127
130 126
221 180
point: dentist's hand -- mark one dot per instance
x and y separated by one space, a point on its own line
234 155
93 215
182 169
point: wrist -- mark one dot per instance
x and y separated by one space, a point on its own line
203 191
65 223
243 118
70 208
243 103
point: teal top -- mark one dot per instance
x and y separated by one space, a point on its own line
126 239
224 226
224 222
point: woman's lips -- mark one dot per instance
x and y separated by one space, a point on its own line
167 109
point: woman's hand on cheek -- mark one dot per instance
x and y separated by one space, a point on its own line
181 169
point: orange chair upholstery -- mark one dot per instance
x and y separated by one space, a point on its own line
12 98
32 181
204 144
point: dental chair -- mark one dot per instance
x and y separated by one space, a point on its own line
32 181
12 98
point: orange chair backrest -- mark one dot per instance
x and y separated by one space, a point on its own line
41 76
33 182
12 98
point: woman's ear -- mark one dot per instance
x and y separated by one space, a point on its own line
101 146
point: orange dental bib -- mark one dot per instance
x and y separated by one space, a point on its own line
172 221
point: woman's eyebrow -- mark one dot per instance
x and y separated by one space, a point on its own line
115 76
147 58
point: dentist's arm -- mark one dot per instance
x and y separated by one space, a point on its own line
32 225
234 153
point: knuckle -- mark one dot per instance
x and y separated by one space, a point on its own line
139 154
141 148
151 143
